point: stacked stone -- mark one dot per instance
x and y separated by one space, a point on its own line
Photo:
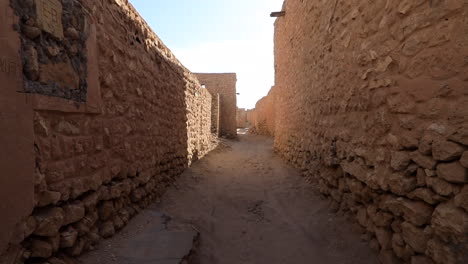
417 211
76 225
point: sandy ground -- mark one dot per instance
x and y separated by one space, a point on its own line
251 208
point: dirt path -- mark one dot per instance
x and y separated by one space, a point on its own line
252 208
249 208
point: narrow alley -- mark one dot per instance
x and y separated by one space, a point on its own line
233 132
249 207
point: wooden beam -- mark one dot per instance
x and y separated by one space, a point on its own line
278 14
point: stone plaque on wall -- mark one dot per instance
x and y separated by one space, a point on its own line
49 17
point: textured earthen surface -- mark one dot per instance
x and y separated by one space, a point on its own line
241 117
223 84
373 108
263 116
104 155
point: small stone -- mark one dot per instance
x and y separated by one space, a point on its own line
53 51
449 221
425 195
48 197
107 229
78 248
400 184
397 239
425 144
31 32
400 160
415 237
106 210
23 230
73 49
440 186
49 221
118 223
421 178
446 151
41 249
452 172
67 128
90 201
426 162
73 212
461 135
464 159
383 219
441 252
55 242
430 173
403 252
31 67
384 236
104 193
72 33
68 237
415 212
421 260
461 200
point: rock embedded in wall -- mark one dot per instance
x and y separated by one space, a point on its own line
53 37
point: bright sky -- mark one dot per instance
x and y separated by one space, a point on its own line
219 36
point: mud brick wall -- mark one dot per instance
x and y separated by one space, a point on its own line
374 110
223 84
215 114
106 151
264 115
241 118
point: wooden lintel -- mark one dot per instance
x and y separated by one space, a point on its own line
278 14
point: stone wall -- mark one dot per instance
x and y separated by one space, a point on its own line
223 84
106 148
373 108
263 117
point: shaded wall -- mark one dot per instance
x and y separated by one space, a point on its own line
372 105
223 84
241 118
115 118
263 116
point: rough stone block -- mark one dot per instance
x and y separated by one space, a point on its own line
41 249
450 221
49 221
464 159
49 17
452 172
416 237
446 151
68 237
461 200
400 160
426 162
73 212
